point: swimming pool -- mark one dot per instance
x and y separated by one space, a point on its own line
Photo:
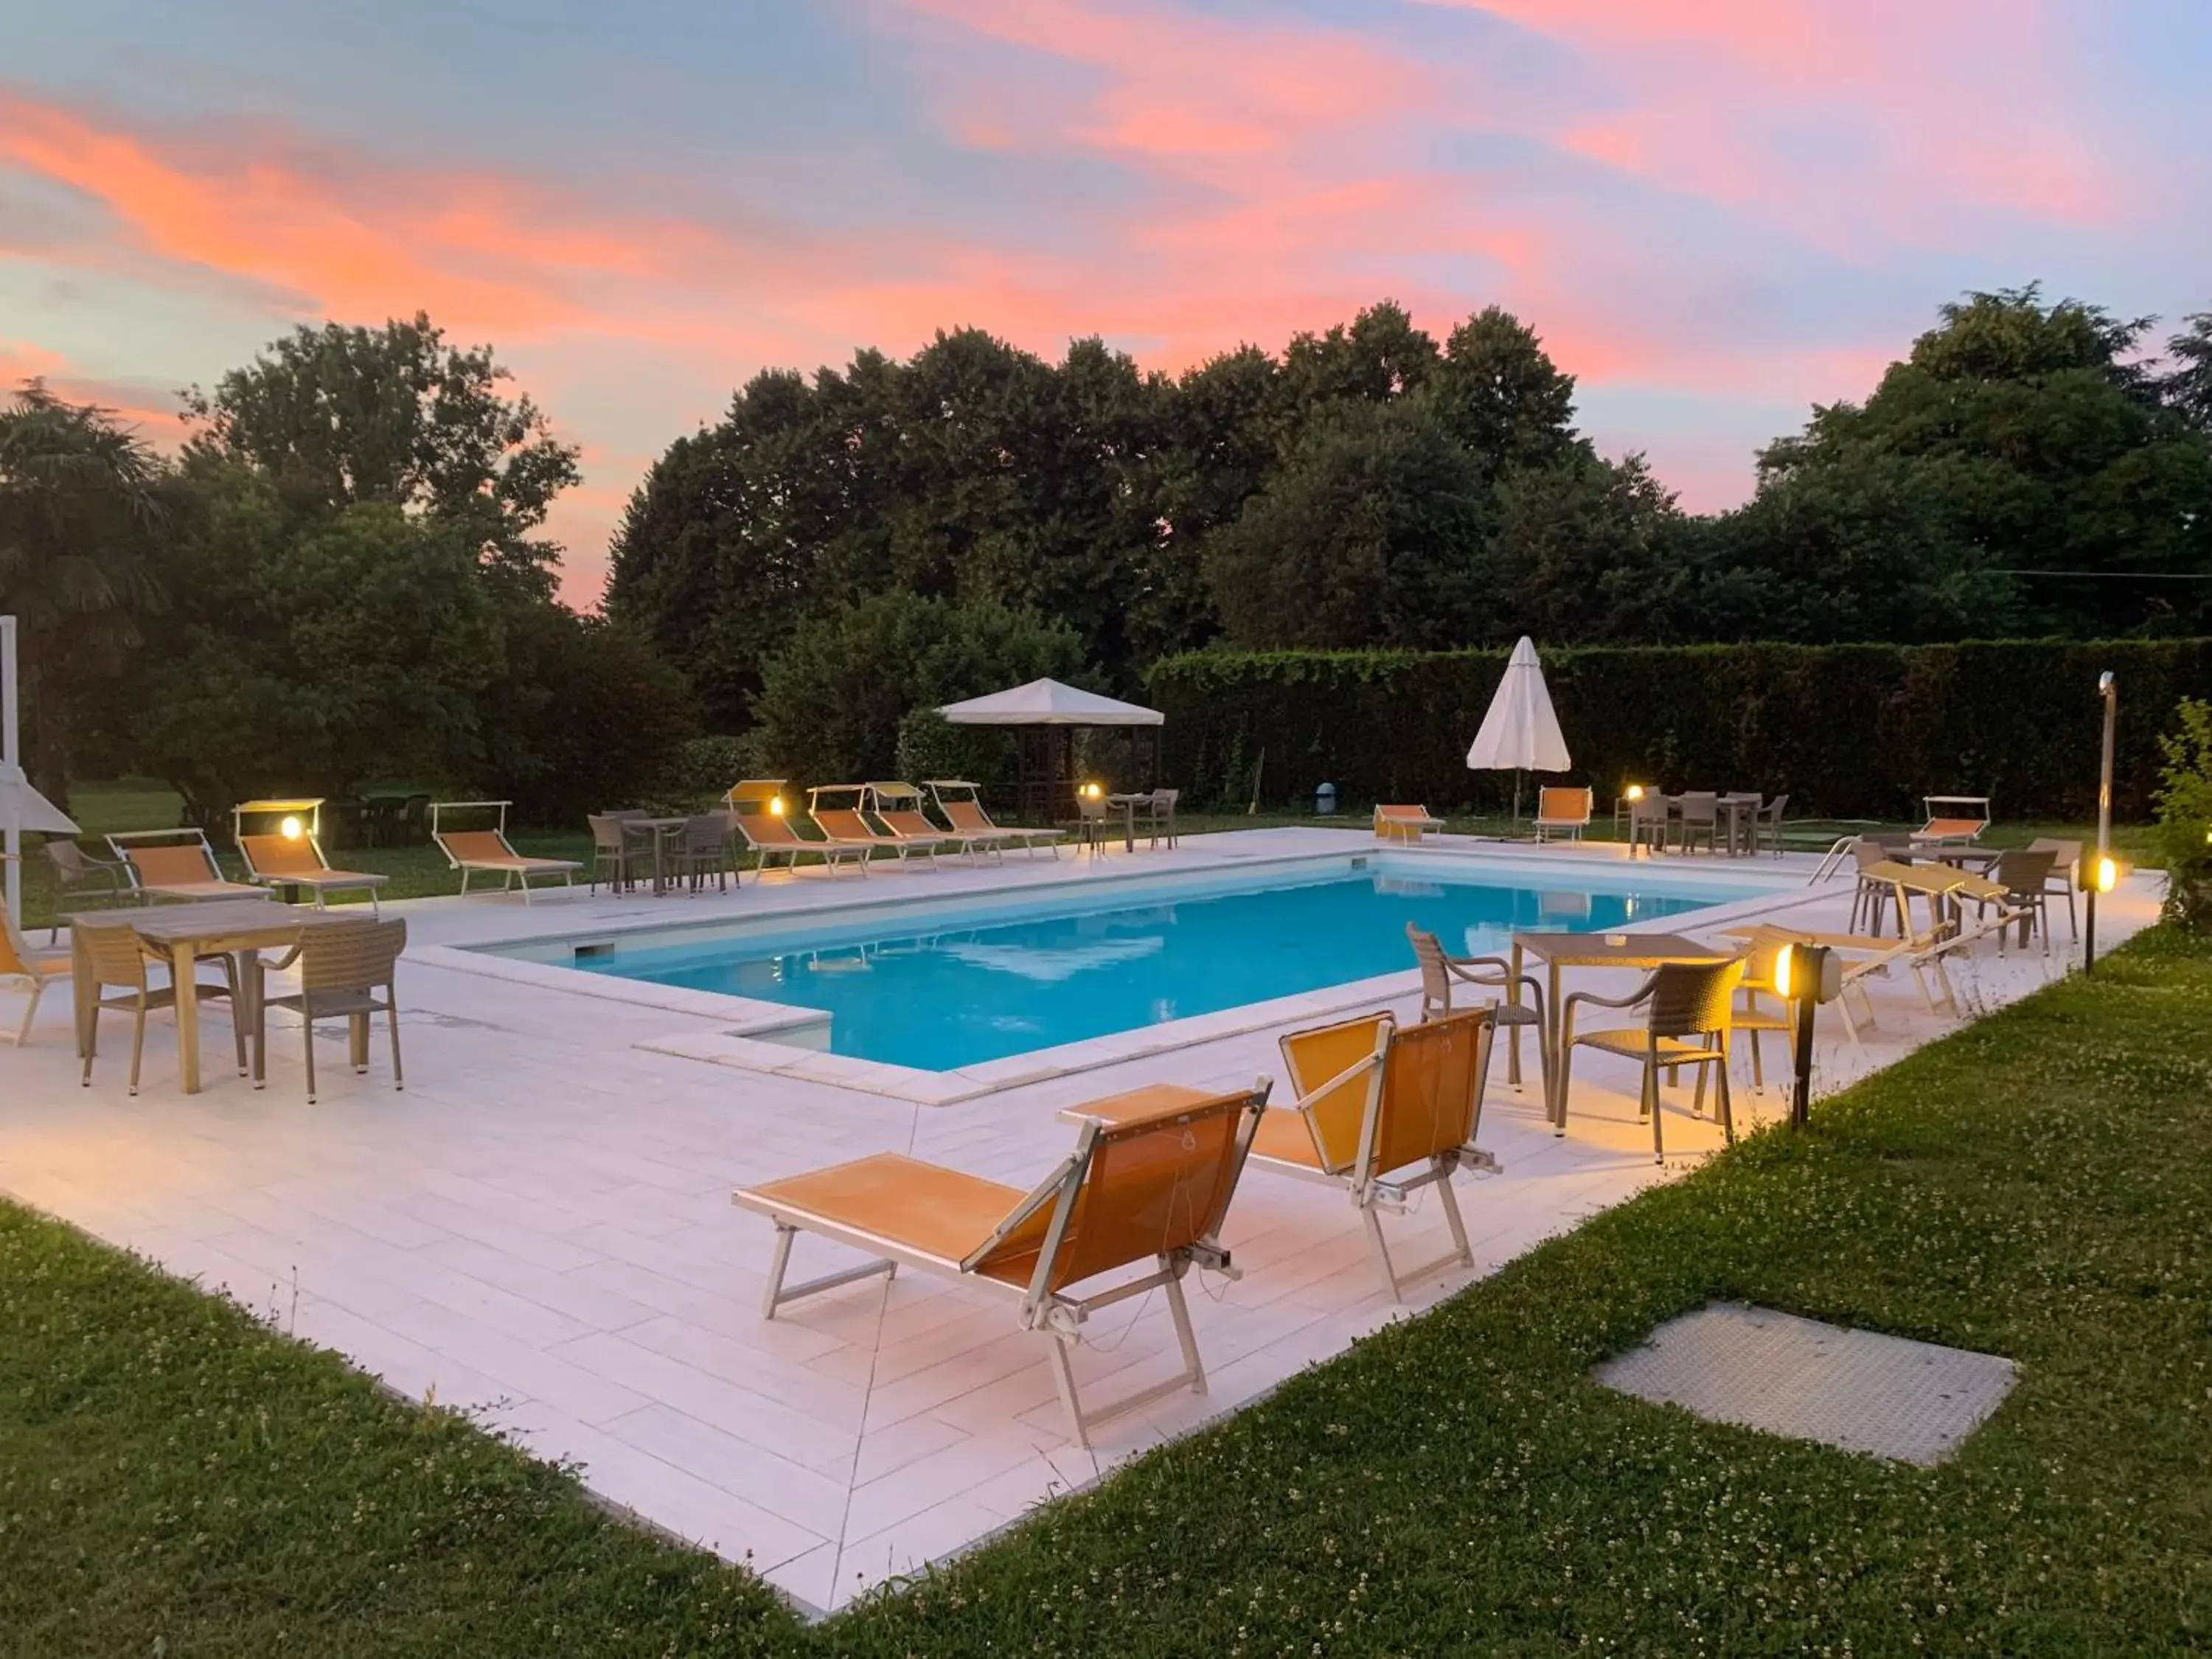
1000 977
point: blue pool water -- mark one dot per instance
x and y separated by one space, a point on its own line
955 996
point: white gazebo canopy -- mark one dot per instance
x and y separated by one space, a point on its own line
1048 703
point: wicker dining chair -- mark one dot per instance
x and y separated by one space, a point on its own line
1766 828
2065 857
1699 819
1090 821
1647 823
1689 1012
104 882
1157 815
703 855
1753 1017
1441 971
2026 875
341 970
118 957
613 847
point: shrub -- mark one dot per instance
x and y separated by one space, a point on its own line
931 746
591 719
832 700
2185 815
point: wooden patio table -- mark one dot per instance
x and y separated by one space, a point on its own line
1559 951
234 927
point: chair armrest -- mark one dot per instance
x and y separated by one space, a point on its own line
1641 994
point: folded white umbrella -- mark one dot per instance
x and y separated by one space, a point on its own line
1520 732
23 808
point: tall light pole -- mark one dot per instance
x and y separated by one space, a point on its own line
2096 871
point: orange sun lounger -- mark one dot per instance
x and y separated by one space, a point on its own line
962 804
1376 1099
898 806
488 852
275 861
1405 823
164 866
1562 811
849 825
1149 1190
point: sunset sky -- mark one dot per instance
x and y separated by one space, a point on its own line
1715 211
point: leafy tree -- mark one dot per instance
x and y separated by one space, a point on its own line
587 717
2187 387
1500 395
78 512
2185 814
832 702
2017 436
347 415
1369 535
1381 357
1585 550
311 651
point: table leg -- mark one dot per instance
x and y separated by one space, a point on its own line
84 995
1513 1043
1128 826
1553 1025
184 976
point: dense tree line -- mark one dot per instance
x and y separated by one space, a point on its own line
1370 486
341 579
344 576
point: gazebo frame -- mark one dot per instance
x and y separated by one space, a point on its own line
1044 717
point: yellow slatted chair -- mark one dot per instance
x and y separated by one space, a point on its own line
1152 1189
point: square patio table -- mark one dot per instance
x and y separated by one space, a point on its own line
1559 951
661 829
233 928
1129 804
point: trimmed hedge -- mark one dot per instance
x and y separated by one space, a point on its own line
1856 731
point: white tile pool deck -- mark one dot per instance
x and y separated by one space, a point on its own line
540 1223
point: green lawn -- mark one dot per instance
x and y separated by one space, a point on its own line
174 1480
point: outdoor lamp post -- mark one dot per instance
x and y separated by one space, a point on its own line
1806 976
2097 873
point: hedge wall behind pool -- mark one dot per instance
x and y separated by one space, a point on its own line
1848 731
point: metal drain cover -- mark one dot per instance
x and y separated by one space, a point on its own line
1858 1390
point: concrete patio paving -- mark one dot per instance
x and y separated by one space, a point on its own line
539 1224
